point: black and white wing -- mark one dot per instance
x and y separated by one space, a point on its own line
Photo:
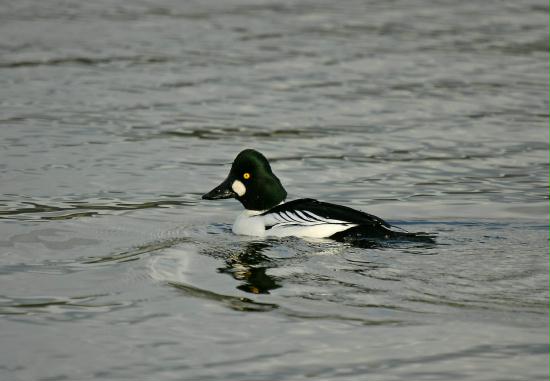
312 218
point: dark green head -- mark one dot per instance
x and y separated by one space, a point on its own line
250 181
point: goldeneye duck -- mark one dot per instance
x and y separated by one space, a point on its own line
253 183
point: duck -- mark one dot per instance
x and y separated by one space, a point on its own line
267 213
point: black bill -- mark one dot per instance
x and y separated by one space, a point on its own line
221 191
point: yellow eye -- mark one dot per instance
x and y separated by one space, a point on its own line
246 175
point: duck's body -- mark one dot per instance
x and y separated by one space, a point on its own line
292 218
306 217
253 183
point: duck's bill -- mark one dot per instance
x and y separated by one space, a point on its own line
221 191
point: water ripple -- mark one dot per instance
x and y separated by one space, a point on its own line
85 61
64 210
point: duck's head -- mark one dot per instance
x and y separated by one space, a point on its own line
250 181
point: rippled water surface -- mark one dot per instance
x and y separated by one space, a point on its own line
116 116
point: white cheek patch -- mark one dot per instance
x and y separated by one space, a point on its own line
238 188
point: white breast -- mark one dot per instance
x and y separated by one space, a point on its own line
249 222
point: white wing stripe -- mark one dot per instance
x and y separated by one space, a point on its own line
278 217
311 215
319 218
327 220
294 217
289 216
303 216
312 224
286 216
299 224
299 217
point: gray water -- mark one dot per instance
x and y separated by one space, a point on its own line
116 116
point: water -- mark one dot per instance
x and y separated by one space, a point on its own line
115 118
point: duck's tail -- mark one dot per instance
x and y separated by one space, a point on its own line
399 233
383 233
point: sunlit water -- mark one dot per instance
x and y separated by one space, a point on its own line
116 117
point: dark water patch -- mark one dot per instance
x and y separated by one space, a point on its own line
242 263
525 48
261 36
52 305
190 83
365 321
48 267
70 216
135 253
53 239
86 61
406 156
79 209
220 133
510 306
308 157
480 351
249 265
235 303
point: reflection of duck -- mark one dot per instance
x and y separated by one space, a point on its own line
252 182
246 266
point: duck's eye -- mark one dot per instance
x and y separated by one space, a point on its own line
246 176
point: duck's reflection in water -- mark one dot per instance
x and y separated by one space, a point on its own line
250 266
